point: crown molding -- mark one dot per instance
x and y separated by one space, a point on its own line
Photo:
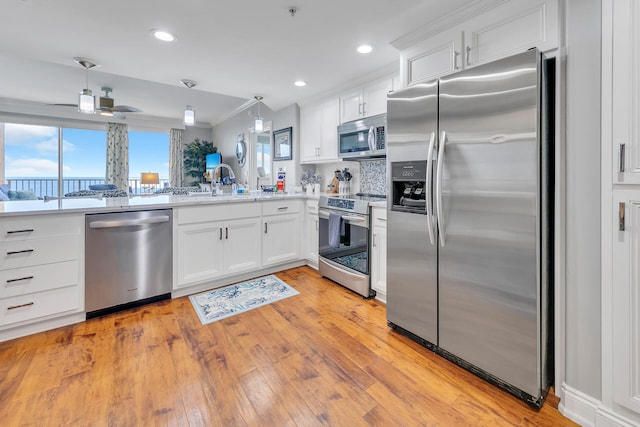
428 29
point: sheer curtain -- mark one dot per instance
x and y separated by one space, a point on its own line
117 171
176 158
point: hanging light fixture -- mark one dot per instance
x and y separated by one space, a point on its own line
258 123
189 112
86 100
189 116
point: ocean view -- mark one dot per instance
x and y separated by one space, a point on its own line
48 186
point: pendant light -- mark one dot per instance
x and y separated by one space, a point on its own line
189 112
86 100
258 123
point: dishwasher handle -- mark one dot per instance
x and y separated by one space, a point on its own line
129 222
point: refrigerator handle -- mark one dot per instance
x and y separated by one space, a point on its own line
443 140
430 218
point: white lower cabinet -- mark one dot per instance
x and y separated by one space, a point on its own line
207 248
281 226
311 232
40 271
625 297
379 252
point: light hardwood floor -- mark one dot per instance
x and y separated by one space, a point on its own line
324 357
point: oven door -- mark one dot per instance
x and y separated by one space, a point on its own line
353 250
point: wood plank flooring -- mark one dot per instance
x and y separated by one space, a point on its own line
324 357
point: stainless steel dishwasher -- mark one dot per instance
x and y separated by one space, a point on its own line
128 259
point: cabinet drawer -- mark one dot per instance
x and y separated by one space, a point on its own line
379 217
312 207
281 207
38 251
40 304
20 281
39 226
195 214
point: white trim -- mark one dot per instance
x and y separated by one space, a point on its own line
445 22
588 411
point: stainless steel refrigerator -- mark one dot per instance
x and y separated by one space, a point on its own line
470 220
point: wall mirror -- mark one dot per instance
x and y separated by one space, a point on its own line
241 150
260 159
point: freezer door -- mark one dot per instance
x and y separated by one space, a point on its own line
489 195
411 257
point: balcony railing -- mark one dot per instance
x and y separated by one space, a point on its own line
49 186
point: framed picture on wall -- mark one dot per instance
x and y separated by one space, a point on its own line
282 146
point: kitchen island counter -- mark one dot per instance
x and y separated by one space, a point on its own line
114 204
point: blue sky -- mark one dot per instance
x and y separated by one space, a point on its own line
32 151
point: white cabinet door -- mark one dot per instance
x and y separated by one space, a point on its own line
625 284
310 132
365 101
436 56
200 252
351 105
379 253
280 239
374 97
318 133
311 234
241 245
509 29
625 83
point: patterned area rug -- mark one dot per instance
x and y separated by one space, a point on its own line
233 299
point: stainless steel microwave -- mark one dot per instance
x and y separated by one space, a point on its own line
363 138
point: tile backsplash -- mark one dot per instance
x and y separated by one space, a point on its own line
373 177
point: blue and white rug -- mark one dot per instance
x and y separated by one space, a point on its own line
233 299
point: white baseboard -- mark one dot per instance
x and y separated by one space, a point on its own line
588 411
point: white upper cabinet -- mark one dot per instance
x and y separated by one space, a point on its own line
365 101
625 86
437 56
510 28
319 132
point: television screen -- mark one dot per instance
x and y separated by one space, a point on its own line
213 160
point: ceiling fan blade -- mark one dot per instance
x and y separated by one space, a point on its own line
126 109
65 105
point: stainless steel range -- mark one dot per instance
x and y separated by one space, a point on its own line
345 240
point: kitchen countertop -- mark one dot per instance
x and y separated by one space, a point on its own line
111 204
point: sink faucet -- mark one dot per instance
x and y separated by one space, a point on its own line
215 170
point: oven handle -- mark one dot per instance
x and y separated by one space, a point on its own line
324 214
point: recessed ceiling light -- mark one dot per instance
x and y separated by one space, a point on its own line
163 35
364 48
300 83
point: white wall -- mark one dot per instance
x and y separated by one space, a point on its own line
583 315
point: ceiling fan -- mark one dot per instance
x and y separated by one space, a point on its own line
106 106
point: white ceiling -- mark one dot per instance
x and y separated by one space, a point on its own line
234 49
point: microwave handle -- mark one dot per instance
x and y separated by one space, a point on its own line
372 138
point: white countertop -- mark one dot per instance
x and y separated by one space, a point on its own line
111 204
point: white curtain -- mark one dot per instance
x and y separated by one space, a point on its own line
176 158
117 171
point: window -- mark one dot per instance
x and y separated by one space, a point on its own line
32 155
31 158
263 151
84 157
148 152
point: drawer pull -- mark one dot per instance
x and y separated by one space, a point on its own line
20 279
26 230
283 208
13 307
381 219
26 251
